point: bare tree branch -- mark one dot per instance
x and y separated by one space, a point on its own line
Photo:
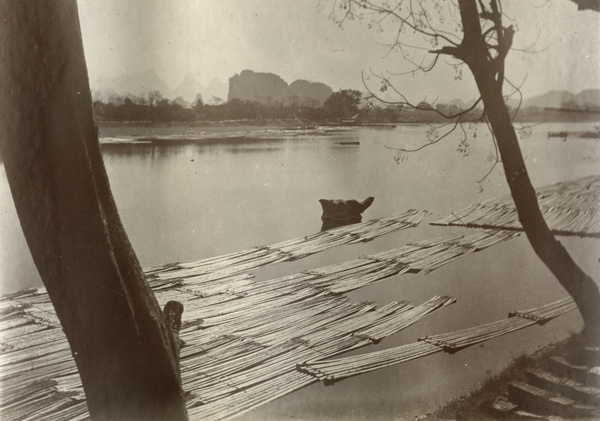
433 142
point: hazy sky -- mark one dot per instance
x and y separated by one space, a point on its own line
297 40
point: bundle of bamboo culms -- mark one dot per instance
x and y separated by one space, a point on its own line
243 335
272 331
467 337
404 319
231 406
252 356
354 274
569 208
516 320
336 278
233 360
318 340
432 254
332 370
35 356
544 313
219 267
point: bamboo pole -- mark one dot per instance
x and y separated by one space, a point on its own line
569 208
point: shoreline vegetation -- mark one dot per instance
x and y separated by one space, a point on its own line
129 119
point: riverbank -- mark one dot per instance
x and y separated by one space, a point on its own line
145 132
132 133
478 405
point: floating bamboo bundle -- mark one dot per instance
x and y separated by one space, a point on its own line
244 336
264 379
260 350
432 254
470 336
547 312
230 264
569 208
232 406
332 370
337 278
237 362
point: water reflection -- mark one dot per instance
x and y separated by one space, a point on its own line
161 148
334 223
337 213
126 150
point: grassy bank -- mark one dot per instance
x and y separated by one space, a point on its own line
477 405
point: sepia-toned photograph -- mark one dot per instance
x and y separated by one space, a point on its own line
315 210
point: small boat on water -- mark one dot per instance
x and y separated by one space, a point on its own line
344 209
337 213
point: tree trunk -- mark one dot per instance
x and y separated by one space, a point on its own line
579 285
125 353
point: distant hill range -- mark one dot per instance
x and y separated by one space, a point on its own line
247 86
587 99
269 88
140 83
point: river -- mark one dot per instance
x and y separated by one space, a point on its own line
189 201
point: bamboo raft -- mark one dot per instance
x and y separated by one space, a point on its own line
569 208
332 370
244 337
285 251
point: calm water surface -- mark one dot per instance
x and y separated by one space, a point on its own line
185 202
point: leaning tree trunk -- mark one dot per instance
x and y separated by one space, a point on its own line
125 353
488 76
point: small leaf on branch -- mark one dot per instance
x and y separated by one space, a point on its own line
457 72
525 132
432 134
463 147
384 85
400 156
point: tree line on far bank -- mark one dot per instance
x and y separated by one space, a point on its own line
153 107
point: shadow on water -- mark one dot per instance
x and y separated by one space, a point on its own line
338 212
339 222
165 148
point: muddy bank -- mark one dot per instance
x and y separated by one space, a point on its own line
478 405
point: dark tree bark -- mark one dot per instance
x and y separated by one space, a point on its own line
125 352
489 77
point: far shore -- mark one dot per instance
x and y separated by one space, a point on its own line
142 132
240 130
